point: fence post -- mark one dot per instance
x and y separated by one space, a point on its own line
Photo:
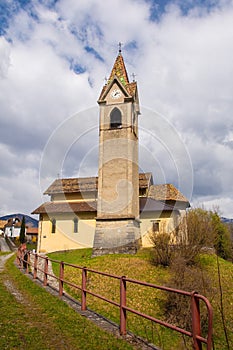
46 265
19 257
61 278
35 266
84 286
122 305
196 321
28 262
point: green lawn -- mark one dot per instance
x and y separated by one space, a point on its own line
138 267
138 297
41 321
38 320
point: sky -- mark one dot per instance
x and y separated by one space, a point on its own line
54 59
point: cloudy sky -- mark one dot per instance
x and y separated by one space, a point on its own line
54 57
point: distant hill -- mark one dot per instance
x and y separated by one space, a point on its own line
226 220
31 222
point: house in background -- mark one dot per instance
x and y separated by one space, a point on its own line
31 234
117 211
2 225
12 227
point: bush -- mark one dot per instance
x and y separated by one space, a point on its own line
198 231
176 306
162 250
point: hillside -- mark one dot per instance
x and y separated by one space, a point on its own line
139 267
226 220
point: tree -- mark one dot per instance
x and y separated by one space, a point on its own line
22 237
222 238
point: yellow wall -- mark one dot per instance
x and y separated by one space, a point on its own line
167 223
64 238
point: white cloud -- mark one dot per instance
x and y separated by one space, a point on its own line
183 66
4 57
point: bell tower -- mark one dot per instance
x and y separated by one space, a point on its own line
117 223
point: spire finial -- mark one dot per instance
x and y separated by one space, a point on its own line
120 46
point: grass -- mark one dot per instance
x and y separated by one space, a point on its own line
209 262
3 253
143 299
147 300
34 319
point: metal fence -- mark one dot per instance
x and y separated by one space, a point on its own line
24 260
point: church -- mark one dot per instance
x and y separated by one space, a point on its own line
118 211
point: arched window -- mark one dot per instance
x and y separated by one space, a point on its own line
75 225
115 118
53 225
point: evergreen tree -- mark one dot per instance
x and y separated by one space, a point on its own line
22 237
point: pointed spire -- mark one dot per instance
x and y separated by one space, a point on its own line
120 72
119 69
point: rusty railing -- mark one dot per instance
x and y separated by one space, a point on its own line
25 261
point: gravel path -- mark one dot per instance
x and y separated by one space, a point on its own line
3 259
3 245
52 282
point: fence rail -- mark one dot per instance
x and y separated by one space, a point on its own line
24 260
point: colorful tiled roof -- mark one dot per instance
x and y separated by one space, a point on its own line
119 71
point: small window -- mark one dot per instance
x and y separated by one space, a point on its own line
115 119
155 226
75 225
53 225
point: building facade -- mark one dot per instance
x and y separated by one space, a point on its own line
117 211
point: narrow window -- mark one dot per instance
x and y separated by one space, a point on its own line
75 225
53 225
155 226
115 119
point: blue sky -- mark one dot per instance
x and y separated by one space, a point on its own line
54 58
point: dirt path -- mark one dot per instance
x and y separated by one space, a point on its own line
3 245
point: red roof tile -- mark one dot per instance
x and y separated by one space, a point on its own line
32 231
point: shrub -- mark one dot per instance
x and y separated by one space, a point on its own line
176 306
162 249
